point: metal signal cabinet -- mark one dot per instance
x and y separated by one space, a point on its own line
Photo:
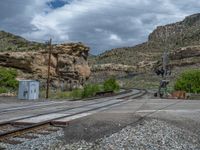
28 90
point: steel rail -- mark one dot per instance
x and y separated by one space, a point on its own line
49 122
61 110
11 109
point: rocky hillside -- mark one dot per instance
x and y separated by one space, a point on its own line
181 39
11 42
171 37
185 56
69 66
180 34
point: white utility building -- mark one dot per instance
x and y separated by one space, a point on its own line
28 90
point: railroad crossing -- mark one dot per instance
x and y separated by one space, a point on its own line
20 120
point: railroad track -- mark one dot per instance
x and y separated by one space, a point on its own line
12 129
63 109
51 104
47 127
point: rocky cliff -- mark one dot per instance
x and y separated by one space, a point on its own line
184 33
185 56
69 67
11 42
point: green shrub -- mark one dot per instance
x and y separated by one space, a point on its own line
189 81
8 78
60 95
90 90
76 93
3 90
9 48
111 85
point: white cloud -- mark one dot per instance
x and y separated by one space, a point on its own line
101 24
115 38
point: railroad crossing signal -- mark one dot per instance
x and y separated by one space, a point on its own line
165 62
164 71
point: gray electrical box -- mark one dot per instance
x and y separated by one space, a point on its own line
28 90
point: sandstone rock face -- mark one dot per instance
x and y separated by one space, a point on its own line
113 67
185 56
139 67
185 52
69 67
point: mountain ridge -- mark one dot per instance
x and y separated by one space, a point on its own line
11 42
171 37
181 39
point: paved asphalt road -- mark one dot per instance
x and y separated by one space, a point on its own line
162 108
182 113
168 109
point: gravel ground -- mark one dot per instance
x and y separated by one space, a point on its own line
44 142
151 134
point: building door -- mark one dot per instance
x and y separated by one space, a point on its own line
33 91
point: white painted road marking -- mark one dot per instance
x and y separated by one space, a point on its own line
173 111
41 118
73 117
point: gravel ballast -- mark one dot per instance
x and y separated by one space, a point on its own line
151 134
43 142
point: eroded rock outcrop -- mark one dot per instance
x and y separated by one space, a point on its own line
113 67
185 56
69 67
185 52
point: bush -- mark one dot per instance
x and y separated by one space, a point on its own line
90 90
189 81
8 78
76 93
9 48
59 95
3 90
111 85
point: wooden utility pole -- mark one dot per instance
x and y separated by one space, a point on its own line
49 67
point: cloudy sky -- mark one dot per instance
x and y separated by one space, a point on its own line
101 24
